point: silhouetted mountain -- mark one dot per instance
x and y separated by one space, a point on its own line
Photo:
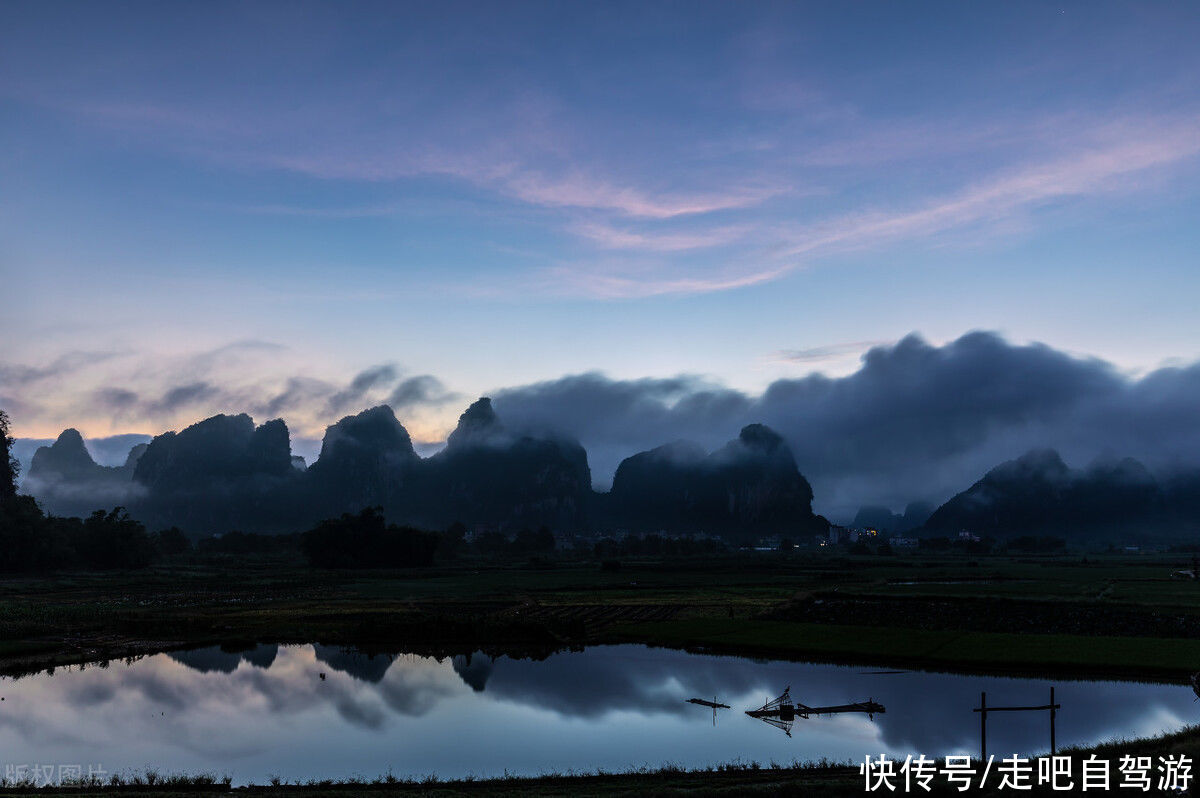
749 486
1037 494
366 459
261 656
474 669
491 477
224 473
208 660
875 517
68 481
66 458
218 474
915 515
220 660
364 667
223 449
658 487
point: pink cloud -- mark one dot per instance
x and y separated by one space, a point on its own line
1094 170
611 237
600 284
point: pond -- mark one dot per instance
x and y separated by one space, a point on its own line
268 711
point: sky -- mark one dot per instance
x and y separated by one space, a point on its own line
301 209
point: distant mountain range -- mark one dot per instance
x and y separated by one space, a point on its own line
225 473
1038 494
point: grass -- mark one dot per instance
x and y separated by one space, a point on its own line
722 603
1153 658
737 778
731 604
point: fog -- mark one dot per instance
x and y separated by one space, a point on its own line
915 422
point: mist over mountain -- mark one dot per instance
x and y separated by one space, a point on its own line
913 426
64 476
365 459
1038 494
876 517
225 473
750 486
110 450
221 473
489 476
916 422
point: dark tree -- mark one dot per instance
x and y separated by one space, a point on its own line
452 542
529 542
114 540
171 542
241 544
27 541
8 463
366 540
491 542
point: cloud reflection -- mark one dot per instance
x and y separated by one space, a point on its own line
267 710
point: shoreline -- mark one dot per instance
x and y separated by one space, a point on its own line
966 653
737 778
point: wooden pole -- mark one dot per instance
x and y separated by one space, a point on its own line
983 727
1052 714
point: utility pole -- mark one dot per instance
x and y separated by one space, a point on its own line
983 709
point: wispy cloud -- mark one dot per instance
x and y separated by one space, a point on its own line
613 237
819 354
599 284
1095 170
1124 154
723 195
574 190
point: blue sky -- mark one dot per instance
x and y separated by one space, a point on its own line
256 196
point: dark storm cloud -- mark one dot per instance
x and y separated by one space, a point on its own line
18 374
818 354
298 392
117 401
182 396
423 389
363 383
916 421
113 450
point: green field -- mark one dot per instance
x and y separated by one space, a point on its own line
939 612
1095 614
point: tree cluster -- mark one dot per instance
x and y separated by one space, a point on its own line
367 540
656 545
30 540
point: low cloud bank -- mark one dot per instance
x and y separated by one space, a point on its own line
915 422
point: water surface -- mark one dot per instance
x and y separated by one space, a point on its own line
268 712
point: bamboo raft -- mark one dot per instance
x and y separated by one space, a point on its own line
781 712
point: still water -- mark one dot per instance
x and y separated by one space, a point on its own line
268 712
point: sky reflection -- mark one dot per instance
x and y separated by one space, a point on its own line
266 711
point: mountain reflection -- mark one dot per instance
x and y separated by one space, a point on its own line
211 659
266 709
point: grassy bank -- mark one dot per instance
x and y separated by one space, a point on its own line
1133 657
1098 616
871 610
824 779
